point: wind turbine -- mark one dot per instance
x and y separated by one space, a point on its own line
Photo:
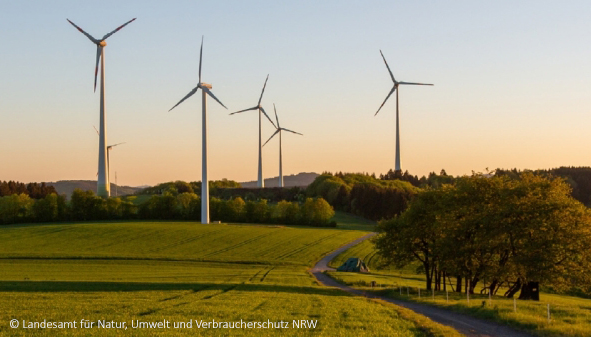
103 185
261 182
278 131
108 159
396 84
205 90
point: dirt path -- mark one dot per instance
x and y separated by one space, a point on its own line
466 325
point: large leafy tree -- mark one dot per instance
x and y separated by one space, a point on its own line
521 231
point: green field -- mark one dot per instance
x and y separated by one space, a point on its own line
570 316
177 271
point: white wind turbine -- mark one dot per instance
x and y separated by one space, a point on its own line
396 84
278 131
205 89
261 182
103 185
108 159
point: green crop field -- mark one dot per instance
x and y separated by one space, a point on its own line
569 316
177 271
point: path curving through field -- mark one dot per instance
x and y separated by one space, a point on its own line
466 325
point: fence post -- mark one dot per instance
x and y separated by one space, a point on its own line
548 312
446 295
468 292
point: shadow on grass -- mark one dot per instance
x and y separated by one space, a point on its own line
78 286
483 312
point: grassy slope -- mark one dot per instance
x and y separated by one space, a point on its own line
571 316
176 271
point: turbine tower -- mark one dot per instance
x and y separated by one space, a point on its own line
103 185
261 182
108 159
396 84
205 90
278 131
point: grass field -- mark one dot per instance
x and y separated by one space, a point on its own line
177 271
570 316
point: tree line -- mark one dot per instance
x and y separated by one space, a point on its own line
228 189
33 190
510 232
86 206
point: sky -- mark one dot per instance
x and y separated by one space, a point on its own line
512 86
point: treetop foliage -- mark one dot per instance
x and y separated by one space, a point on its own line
33 190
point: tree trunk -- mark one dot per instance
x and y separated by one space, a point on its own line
493 287
530 291
428 274
513 289
459 284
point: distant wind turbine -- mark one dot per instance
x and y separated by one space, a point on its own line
108 159
103 185
278 131
396 84
205 89
261 182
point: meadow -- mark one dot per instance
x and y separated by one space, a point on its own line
177 271
569 316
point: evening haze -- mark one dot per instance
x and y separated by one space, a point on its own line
512 86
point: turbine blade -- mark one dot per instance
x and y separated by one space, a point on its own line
297 133
253 108
391 91
207 91
85 33
390 71
116 144
411 83
276 132
99 50
262 92
118 28
264 113
97 132
184 98
200 57
277 118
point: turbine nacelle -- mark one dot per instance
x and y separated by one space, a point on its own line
100 44
206 87
396 84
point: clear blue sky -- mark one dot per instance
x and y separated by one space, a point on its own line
512 86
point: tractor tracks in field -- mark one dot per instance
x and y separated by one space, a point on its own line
466 325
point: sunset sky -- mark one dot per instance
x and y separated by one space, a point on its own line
512 86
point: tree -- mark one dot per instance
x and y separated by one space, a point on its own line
46 209
522 231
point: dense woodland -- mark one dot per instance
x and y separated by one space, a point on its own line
363 194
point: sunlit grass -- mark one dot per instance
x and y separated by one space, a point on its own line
151 271
570 316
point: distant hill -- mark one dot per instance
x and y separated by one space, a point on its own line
301 179
67 187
